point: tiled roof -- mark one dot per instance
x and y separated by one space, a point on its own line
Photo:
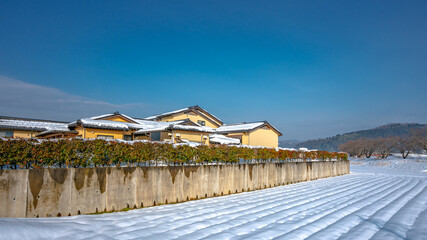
245 127
29 124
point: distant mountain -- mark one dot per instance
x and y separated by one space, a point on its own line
332 143
289 143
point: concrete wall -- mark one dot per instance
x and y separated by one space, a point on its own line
66 192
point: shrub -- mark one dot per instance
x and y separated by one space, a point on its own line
83 153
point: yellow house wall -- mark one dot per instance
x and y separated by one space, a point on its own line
193 136
116 119
93 133
192 116
24 134
263 137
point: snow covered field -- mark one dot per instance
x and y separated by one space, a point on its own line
380 199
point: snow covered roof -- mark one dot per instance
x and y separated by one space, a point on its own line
200 110
221 139
245 127
31 124
123 126
177 125
100 124
167 114
193 128
239 127
151 124
44 133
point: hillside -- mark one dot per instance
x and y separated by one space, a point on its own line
332 143
289 143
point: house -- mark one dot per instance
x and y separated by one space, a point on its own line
178 131
194 113
191 124
255 134
117 126
108 126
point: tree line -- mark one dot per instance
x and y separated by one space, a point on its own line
414 143
333 143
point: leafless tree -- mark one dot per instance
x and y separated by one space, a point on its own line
349 147
359 147
384 146
369 146
406 145
420 138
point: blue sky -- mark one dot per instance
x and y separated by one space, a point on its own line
311 68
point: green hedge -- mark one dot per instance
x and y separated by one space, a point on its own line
84 153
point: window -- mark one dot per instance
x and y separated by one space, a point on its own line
127 137
6 133
105 137
201 122
155 136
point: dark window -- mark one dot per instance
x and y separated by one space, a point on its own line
127 137
155 136
201 122
6 133
105 137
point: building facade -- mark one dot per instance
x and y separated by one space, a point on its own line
191 124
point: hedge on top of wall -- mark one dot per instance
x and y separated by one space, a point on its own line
95 153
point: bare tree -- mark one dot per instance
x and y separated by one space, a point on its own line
420 138
350 148
384 146
359 147
369 146
406 145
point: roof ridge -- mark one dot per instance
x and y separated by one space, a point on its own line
166 113
231 124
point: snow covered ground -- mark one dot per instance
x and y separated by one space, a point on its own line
380 199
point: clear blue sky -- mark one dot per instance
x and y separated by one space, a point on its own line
311 68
